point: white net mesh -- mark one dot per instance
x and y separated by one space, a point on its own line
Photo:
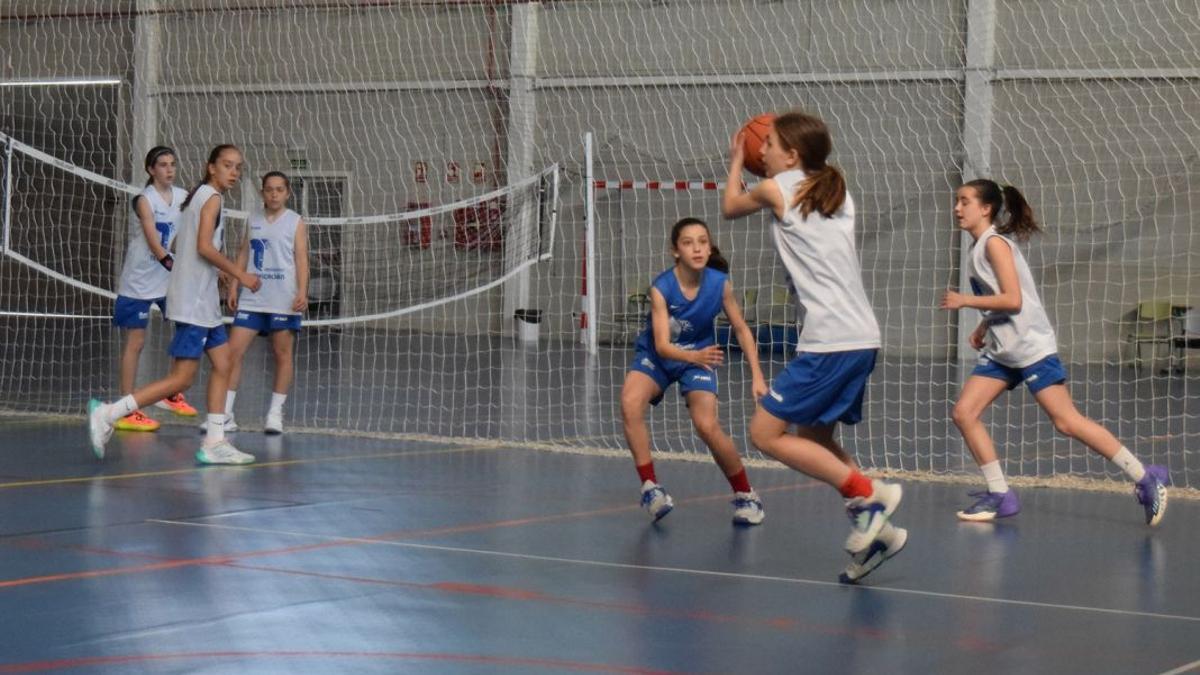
1090 108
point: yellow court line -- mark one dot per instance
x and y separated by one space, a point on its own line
256 465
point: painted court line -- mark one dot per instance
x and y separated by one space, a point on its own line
684 570
248 467
1192 667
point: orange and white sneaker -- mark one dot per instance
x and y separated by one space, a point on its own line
136 421
178 405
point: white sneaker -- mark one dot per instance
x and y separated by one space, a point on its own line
868 514
223 453
99 428
230 424
891 541
747 508
656 501
274 423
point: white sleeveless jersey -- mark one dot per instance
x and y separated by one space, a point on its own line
142 276
192 295
273 259
1015 339
822 260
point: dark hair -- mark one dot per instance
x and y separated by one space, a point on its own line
715 259
824 188
152 157
277 174
212 159
1020 222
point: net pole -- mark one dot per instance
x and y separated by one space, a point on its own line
8 152
590 290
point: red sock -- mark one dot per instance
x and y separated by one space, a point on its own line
739 482
857 485
646 472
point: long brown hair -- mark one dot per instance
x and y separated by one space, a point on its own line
212 159
1020 223
824 188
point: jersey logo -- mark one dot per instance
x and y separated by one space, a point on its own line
164 233
259 247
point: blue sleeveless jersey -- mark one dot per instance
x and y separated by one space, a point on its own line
691 321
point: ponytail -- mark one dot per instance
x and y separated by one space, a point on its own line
717 261
212 159
823 191
1011 213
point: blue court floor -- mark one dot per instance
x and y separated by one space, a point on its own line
340 554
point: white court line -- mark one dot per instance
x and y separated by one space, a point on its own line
684 570
1194 665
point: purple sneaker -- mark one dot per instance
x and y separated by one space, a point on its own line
1151 493
992 505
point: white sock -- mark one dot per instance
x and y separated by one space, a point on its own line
277 402
229 398
1131 465
123 407
215 431
994 476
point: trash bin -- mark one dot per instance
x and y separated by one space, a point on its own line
527 325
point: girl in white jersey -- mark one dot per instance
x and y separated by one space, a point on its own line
826 381
152 220
1017 344
276 249
195 306
679 345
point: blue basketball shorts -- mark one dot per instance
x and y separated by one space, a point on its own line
191 341
135 313
821 388
1045 373
266 322
666 371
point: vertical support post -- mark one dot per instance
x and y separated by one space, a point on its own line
522 124
978 109
591 292
147 46
8 183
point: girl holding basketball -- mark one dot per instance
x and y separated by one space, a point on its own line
145 275
194 305
679 345
277 250
1017 344
825 383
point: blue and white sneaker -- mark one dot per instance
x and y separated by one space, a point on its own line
656 501
99 428
1151 493
990 506
891 541
747 508
868 514
223 453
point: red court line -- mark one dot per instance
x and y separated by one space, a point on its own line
358 541
90 661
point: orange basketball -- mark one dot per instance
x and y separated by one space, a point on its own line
754 135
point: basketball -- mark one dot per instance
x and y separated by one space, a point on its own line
754 135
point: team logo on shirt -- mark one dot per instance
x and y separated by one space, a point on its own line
164 233
259 248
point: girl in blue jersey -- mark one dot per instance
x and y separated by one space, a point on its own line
145 275
1017 344
276 249
678 345
825 383
194 305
